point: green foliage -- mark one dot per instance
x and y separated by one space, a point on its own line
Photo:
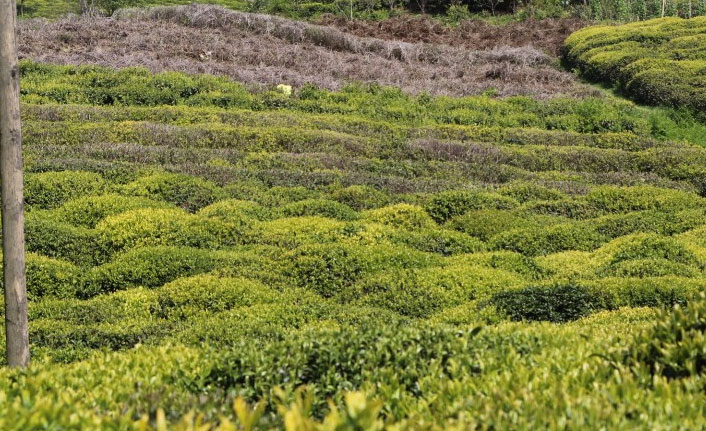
361 197
447 205
46 235
658 61
556 303
401 216
185 191
672 347
88 211
320 207
52 189
328 269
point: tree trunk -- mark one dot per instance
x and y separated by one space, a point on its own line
13 238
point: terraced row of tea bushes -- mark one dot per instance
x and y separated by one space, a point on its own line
405 368
660 61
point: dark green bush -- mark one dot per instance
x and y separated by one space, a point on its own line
190 193
557 303
484 224
45 235
361 197
447 205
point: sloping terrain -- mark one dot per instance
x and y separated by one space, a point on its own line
660 61
261 49
216 254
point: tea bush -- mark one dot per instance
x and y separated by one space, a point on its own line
401 216
557 303
46 235
187 192
447 205
319 207
659 61
88 211
52 189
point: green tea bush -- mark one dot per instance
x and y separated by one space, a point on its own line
525 192
673 347
576 208
484 224
555 303
541 241
651 221
280 196
666 291
46 235
658 61
149 267
322 359
626 199
319 207
447 205
361 197
190 193
202 294
52 189
292 232
88 211
442 241
329 268
401 216
649 252
508 261
51 277
168 227
654 267
234 210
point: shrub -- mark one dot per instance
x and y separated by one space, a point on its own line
361 197
652 267
654 251
504 260
168 227
665 292
626 199
441 241
52 189
295 231
484 224
235 210
525 192
46 236
401 216
328 268
319 207
447 205
552 239
558 303
189 193
88 211
673 347
571 208
280 196
187 297
51 277
148 267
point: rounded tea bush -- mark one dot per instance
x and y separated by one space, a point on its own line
401 216
361 197
319 207
187 192
625 199
525 192
89 210
51 277
442 241
190 296
52 189
444 206
235 210
557 303
47 236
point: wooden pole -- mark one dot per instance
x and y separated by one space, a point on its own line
13 238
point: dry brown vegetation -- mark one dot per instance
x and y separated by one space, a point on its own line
261 49
547 35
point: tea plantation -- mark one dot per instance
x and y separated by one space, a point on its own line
204 255
660 61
